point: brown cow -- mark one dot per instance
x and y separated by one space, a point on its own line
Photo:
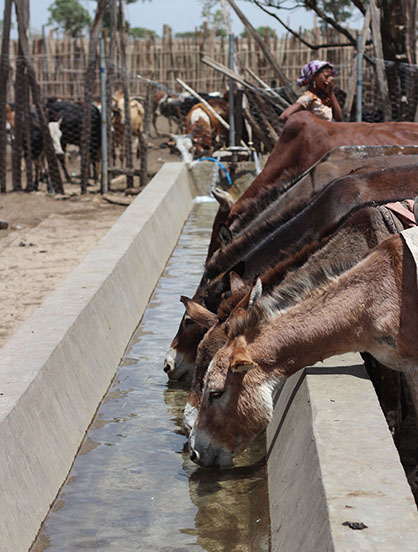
365 309
204 128
10 115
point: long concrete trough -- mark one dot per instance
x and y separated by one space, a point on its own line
55 370
331 459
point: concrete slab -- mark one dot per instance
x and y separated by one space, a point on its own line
332 463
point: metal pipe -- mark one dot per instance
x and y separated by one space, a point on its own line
359 79
104 180
231 93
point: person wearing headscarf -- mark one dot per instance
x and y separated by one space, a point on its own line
319 97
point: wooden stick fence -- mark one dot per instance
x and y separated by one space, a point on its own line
60 62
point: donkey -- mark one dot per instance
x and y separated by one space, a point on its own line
366 308
304 140
252 253
339 162
289 283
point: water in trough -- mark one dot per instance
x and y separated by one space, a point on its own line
132 485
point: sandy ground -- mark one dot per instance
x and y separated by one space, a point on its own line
49 236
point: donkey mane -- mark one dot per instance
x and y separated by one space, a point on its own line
253 206
247 240
335 203
283 288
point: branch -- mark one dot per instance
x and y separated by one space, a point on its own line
311 4
360 5
299 37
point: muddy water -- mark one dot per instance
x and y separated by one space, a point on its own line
132 485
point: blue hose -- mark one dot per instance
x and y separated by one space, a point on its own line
219 164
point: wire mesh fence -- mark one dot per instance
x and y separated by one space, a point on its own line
146 88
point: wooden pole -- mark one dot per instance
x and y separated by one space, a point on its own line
284 103
276 68
125 86
149 95
88 94
19 94
4 79
53 168
380 63
353 80
110 81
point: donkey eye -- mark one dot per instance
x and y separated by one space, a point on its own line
215 395
188 322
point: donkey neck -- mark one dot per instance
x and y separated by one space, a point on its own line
336 320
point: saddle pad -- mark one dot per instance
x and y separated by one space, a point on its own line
405 210
410 237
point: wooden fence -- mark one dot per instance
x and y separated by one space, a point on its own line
60 61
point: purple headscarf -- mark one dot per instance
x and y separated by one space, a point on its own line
311 69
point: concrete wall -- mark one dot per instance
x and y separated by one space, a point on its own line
331 460
55 370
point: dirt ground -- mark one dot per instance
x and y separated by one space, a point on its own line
49 235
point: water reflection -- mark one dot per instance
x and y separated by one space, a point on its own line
132 486
232 509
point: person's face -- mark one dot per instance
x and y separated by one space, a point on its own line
324 79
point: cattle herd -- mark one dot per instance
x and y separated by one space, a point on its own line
186 115
313 260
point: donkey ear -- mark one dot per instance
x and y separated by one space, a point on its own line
198 313
224 199
256 293
236 283
241 360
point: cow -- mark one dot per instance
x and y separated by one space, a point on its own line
36 142
176 107
37 147
136 112
367 308
10 115
165 104
204 128
304 140
70 118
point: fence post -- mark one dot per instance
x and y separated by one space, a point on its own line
359 79
103 98
231 93
4 78
143 137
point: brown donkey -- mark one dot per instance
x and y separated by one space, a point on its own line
371 307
